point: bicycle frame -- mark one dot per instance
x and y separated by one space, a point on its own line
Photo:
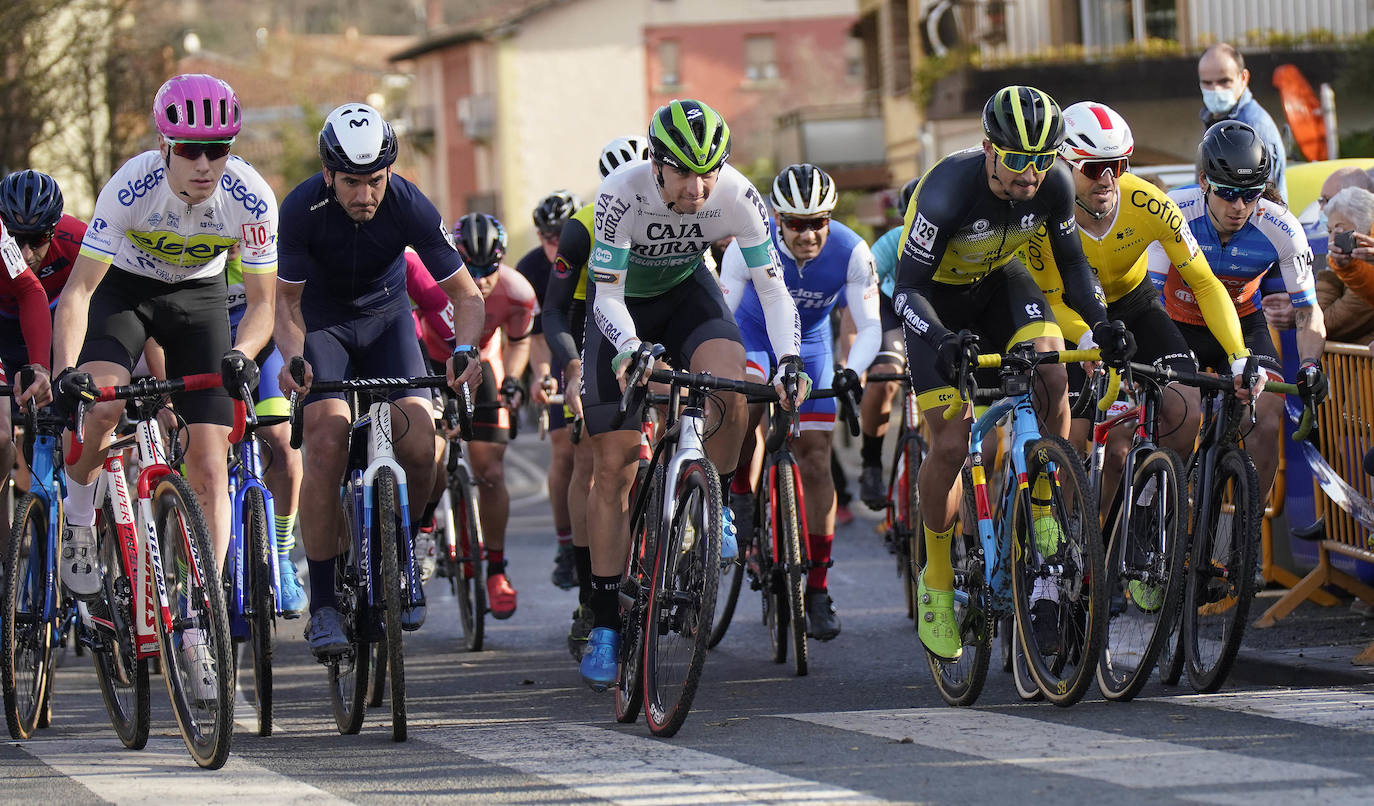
1024 429
246 475
1144 412
377 424
48 486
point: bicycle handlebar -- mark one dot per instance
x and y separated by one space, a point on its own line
137 390
1024 359
1226 384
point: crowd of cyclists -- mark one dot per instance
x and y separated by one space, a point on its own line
1041 234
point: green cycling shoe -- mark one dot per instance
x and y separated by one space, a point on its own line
936 625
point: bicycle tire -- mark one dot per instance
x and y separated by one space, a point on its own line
121 675
732 573
1026 687
376 678
686 574
794 570
772 585
1073 573
388 544
1151 554
960 682
465 566
26 643
348 675
1222 567
196 601
909 529
262 619
634 602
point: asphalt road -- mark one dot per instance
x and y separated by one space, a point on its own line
514 723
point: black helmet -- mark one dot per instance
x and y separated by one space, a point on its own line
30 202
908 190
481 240
356 140
556 208
1023 119
1231 153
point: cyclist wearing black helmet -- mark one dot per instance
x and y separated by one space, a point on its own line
1246 231
958 274
341 303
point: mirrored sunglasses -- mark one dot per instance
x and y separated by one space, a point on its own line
32 240
1094 169
803 224
1229 193
192 149
1019 161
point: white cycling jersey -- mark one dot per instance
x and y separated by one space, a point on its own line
643 249
140 225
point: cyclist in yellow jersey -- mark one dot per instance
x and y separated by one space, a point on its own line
1119 215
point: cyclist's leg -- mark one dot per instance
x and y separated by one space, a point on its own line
813 454
876 408
701 333
282 475
758 365
1020 312
1262 441
7 455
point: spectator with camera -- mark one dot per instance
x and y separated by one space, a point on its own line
1350 220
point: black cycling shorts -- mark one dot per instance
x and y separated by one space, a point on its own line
490 420
1003 308
380 345
681 319
188 319
1253 328
1158 340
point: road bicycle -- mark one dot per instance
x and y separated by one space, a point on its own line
458 539
1223 534
774 553
36 617
161 595
1038 547
901 522
668 596
376 579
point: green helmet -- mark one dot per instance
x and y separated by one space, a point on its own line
689 135
1023 119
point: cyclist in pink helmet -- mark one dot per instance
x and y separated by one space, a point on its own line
196 106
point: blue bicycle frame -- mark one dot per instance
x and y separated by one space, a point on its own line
49 487
996 537
244 476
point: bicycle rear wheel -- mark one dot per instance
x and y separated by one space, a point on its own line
904 512
464 560
388 545
772 565
793 569
1144 575
732 578
27 637
634 602
261 619
348 674
197 655
1222 568
1057 572
682 600
121 675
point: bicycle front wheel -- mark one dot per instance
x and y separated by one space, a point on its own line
26 640
348 674
262 607
682 600
120 673
634 602
1222 569
960 682
1057 571
197 655
463 561
1144 576
388 545
793 568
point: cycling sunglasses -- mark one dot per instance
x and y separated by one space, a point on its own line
804 224
32 240
1019 161
1094 169
478 272
192 149
1229 193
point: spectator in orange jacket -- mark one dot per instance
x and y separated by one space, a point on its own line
1352 211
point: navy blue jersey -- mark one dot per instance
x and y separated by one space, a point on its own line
535 267
358 269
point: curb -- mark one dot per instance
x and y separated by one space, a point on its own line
1313 666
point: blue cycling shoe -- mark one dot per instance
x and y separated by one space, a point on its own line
729 545
291 598
599 661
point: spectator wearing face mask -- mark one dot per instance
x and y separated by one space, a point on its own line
1225 85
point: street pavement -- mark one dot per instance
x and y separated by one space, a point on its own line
514 724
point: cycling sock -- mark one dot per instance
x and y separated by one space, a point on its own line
286 533
564 536
605 602
582 556
321 584
938 573
740 484
79 504
819 546
427 517
727 482
496 562
871 452
1042 497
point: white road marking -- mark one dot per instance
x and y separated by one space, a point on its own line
1067 750
1348 707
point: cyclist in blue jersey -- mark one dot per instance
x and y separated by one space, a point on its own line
342 305
821 260
876 408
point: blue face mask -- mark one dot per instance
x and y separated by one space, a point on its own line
1219 102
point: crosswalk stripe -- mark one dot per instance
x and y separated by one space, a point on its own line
1327 796
1067 750
629 769
162 773
1350 707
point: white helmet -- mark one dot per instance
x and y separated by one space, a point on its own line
1094 131
620 151
803 189
356 140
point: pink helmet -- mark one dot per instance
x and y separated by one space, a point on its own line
197 106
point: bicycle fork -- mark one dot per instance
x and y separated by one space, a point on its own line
380 454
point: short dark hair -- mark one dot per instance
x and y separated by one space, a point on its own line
1229 50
